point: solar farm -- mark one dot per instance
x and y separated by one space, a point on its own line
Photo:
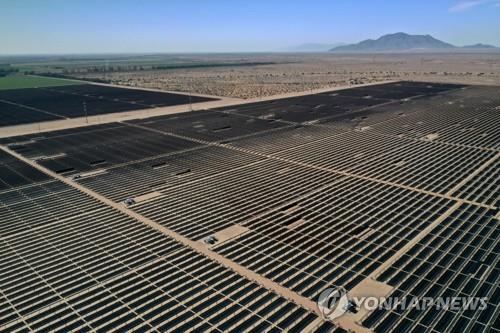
237 218
48 99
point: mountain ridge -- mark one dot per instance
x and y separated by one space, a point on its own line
403 42
479 46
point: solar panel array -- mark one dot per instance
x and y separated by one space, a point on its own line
71 263
395 184
336 236
32 105
457 258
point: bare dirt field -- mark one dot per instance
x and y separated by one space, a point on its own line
302 72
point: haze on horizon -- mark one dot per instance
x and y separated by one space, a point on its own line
132 26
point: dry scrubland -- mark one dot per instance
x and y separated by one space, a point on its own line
294 73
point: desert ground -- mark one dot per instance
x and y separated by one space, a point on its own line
287 73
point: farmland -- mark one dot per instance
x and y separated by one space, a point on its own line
25 81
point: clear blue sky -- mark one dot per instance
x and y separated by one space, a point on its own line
92 26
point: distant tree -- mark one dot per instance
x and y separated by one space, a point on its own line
6 69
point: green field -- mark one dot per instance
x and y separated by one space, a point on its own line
25 81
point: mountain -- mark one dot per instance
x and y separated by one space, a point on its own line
479 46
312 47
398 42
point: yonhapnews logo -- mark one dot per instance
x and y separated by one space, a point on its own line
335 302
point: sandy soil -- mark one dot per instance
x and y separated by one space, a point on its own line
302 72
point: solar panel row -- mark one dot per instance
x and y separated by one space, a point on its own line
23 106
